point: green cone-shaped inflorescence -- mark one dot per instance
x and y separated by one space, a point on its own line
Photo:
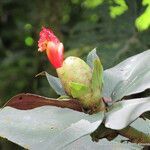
82 82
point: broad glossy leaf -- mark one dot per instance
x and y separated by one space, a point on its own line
129 77
77 89
85 143
79 129
125 112
47 126
55 84
91 57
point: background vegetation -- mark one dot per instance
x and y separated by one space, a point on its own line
118 28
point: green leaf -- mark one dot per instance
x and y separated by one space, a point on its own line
77 89
97 76
46 127
64 97
119 9
129 77
55 83
92 4
143 22
85 143
79 129
125 112
91 58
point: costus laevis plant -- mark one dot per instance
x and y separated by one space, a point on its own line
36 122
79 80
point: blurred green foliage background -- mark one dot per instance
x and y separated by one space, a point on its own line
118 28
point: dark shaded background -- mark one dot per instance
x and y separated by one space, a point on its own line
116 27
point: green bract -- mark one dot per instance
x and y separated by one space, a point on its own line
82 82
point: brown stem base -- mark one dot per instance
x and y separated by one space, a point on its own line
129 132
134 135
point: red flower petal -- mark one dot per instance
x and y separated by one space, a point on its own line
54 48
55 54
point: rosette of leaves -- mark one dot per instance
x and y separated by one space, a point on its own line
37 122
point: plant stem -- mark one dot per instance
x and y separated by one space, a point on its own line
134 135
129 132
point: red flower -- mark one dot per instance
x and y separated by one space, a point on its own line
54 48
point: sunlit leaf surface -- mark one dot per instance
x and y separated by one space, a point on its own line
129 77
125 112
46 127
